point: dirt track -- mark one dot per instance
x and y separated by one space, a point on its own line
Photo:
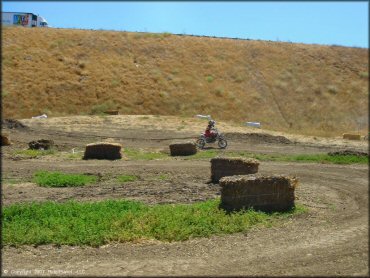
331 239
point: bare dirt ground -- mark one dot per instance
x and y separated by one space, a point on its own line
330 239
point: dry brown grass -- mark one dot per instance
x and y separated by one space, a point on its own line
307 89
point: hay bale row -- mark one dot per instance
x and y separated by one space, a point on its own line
223 167
5 140
103 150
179 149
42 144
349 136
265 193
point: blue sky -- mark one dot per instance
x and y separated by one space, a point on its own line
339 23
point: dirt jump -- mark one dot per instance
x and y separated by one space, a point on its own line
330 239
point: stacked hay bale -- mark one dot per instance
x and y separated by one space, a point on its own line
103 150
265 193
183 148
42 144
223 167
5 140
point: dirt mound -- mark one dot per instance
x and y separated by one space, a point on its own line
42 144
11 123
348 152
258 137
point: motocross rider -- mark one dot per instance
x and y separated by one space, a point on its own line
209 130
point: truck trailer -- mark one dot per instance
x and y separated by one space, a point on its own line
23 19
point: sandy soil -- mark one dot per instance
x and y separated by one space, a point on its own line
331 239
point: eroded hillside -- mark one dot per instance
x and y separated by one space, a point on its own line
307 89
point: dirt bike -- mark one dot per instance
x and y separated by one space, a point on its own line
202 139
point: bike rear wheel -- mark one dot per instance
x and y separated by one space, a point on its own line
200 143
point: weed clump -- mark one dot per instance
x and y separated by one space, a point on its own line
127 178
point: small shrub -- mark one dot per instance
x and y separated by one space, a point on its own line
364 74
166 34
239 79
332 89
10 181
75 155
34 153
57 179
115 83
127 178
281 84
4 93
81 65
209 78
163 94
219 91
163 177
99 109
175 71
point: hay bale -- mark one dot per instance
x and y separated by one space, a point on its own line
5 140
42 144
265 193
223 167
185 148
103 150
349 136
111 112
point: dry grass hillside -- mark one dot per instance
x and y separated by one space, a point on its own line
298 88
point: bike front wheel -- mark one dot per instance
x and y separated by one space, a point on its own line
222 143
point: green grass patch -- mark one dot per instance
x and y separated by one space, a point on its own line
74 156
10 181
127 178
34 153
58 179
316 158
95 224
163 177
135 154
325 158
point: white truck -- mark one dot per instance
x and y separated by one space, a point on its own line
23 19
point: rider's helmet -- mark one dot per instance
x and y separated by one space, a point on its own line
211 123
